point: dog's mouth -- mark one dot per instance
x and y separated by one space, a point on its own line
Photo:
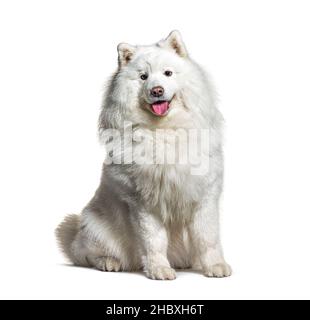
160 108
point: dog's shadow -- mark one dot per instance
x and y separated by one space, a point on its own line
138 273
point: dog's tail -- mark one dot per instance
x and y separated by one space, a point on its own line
66 233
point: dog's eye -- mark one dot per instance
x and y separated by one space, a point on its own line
144 76
168 73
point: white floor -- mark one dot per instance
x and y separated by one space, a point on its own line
66 282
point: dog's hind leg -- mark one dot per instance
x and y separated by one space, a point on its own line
80 250
68 235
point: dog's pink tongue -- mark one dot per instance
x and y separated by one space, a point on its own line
160 108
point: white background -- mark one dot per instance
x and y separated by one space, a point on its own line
54 59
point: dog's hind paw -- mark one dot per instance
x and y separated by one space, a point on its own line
108 264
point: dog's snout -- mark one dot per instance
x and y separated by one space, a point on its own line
157 91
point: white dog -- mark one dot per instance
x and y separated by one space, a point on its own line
154 216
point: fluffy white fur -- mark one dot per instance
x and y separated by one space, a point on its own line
154 218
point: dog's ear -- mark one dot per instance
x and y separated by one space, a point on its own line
175 42
125 53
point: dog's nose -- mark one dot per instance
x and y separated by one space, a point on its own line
157 91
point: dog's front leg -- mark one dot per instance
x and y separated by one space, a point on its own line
154 248
204 233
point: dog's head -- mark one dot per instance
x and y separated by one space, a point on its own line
156 85
154 72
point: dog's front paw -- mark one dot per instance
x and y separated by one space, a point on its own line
161 273
219 270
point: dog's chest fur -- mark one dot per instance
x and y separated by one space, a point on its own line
168 190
